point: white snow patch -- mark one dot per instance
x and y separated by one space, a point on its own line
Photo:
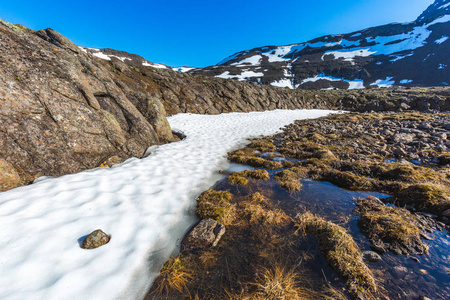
444 6
277 54
97 53
254 60
154 65
442 66
404 81
384 83
122 59
443 19
431 54
354 84
356 34
144 204
378 63
241 77
101 55
388 45
349 55
183 69
398 57
342 42
442 39
83 49
283 83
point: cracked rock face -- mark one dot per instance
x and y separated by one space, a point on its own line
63 111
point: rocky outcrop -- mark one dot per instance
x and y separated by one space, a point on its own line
64 108
62 111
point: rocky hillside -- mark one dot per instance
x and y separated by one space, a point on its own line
66 108
408 54
62 111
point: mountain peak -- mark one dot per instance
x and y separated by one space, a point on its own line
435 10
405 54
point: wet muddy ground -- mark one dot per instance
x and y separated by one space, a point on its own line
323 167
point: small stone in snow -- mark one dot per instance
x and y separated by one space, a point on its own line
95 239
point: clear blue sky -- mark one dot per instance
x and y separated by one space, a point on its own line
202 33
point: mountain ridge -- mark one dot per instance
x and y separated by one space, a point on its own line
379 56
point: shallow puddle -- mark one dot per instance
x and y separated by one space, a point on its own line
400 277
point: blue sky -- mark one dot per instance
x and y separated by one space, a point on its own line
202 33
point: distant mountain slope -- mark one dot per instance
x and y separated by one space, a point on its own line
408 54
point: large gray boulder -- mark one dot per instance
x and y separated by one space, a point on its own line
205 235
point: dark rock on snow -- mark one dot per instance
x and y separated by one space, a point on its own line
95 239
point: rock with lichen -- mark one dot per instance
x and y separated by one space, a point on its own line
95 239
64 111
205 234
9 178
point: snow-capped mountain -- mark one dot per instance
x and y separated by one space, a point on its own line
415 53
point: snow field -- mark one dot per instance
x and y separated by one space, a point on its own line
145 205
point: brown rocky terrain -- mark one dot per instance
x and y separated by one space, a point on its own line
64 110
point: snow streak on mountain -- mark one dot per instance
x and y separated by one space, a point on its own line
414 53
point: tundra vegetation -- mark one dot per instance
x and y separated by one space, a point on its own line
261 256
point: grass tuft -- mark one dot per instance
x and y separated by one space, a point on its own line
216 205
256 214
290 179
427 197
174 276
341 252
384 224
240 178
237 179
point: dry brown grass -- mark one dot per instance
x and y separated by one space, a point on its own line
258 198
341 252
427 197
174 276
246 156
256 213
346 180
405 173
216 205
290 179
279 282
262 145
237 179
240 178
392 225
256 174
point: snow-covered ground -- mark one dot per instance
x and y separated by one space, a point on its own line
146 205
